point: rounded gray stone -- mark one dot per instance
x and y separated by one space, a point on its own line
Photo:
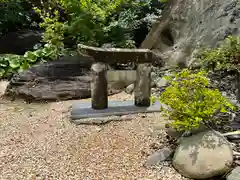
159 156
202 156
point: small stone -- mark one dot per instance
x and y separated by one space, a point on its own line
237 162
153 90
234 102
203 155
143 116
130 89
154 75
158 156
3 87
98 129
234 174
127 117
153 84
161 83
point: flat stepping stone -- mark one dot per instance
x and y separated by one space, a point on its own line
82 110
102 120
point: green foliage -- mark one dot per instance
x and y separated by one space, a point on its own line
15 14
87 22
69 22
190 101
72 21
54 30
10 63
225 57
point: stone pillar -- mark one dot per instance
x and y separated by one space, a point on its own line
99 86
142 91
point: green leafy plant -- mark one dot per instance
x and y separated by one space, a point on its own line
225 57
10 63
190 101
87 22
54 30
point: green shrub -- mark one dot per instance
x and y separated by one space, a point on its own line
54 30
190 101
16 14
225 57
87 22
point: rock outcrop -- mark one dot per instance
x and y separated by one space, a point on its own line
186 25
62 79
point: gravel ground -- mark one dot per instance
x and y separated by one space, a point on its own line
37 141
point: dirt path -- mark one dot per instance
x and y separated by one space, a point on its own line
39 142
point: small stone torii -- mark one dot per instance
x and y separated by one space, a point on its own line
104 56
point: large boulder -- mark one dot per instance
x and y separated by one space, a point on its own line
62 79
204 155
185 25
19 42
